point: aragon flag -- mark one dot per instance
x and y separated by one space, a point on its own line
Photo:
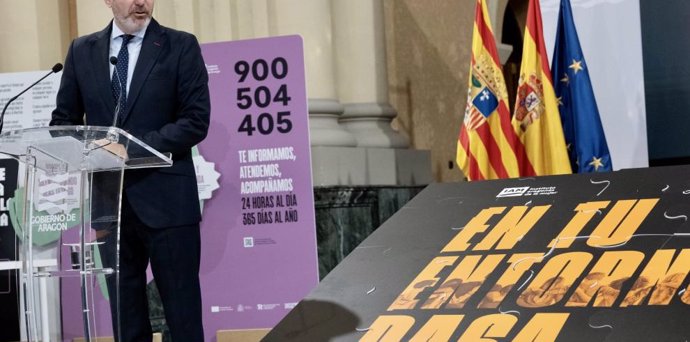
488 147
536 119
584 134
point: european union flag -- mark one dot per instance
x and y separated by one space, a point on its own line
584 135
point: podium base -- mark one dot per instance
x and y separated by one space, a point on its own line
241 335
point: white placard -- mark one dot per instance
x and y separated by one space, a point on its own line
33 108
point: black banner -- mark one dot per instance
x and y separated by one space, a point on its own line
598 257
9 292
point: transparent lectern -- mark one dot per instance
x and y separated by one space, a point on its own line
67 215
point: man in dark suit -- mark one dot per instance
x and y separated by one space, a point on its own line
161 84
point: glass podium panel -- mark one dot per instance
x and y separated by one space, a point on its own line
66 211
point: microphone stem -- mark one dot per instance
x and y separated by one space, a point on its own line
2 116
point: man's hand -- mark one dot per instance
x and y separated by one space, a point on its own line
114 148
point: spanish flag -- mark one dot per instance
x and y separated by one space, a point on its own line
488 147
537 120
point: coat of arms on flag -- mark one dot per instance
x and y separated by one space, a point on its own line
529 105
483 95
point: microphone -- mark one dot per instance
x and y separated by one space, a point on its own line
113 61
56 68
112 134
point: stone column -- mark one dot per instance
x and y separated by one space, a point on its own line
92 16
362 81
179 14
312 20
208 20
249 19
34 33
216 23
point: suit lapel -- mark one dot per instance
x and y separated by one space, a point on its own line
154 40
100 48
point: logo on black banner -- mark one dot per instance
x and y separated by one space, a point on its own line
527 191
513 192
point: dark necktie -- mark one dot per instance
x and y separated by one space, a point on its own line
119 84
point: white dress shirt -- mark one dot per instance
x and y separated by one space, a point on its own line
134 47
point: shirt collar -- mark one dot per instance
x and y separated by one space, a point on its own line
116 32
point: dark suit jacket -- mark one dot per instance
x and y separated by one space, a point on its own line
167 107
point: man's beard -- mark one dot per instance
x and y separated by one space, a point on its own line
132 25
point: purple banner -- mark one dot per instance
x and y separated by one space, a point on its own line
254 172
258 231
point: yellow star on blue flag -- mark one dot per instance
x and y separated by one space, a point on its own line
576 66
596 163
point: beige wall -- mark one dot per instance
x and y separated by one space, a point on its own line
427 45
